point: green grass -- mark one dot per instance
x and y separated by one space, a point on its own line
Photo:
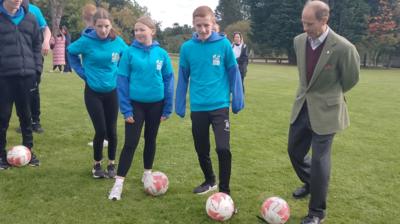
364 185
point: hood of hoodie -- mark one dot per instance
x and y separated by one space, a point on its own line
87 30
91 34
22 10
139 45
213 37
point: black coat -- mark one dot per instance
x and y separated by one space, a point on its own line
243 60
20 46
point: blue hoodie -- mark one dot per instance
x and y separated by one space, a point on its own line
214 75
17 17
145 75
100 59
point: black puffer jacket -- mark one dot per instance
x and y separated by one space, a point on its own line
20 47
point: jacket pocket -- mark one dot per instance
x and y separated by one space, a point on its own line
333 101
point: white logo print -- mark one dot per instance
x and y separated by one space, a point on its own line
227 125
216 59
114 57
159 64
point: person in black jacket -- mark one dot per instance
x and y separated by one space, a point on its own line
20 64
241 54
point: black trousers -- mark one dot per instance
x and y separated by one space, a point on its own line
103 111
312 170
35 100
15 90
219 120
148 114
35 103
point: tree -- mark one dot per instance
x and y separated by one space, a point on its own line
349 18
274 24
174 36
382 40
228 12
56 13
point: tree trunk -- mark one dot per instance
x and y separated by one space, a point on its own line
57 9
291 56
365 60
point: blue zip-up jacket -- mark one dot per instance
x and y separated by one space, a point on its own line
214 76
145 75
100 59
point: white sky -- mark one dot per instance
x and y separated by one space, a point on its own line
171 11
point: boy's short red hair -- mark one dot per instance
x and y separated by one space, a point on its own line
204 11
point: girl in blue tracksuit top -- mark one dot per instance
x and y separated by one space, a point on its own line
145 90
207 63
100 50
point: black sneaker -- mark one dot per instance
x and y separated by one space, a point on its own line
205 188
37 128
97 171
111 171
34 161
4 164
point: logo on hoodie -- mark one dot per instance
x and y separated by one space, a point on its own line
114 57
159 64
216 60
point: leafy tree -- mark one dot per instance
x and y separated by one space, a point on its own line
349 18
70 14
274 24
229 12
174 36
382 40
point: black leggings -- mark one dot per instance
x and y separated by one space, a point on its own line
103 111
150 114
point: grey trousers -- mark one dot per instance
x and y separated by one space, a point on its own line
313 170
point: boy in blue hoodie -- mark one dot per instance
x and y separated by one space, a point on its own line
208 65
145 90
100 50
20 64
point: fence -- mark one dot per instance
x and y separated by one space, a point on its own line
278 60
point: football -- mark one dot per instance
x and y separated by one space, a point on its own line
220 206
275 210
18 156
156 184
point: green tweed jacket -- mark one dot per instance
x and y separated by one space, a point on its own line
336 72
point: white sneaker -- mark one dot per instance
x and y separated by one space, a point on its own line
146 176
105 143
116 192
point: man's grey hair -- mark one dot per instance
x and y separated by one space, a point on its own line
321 8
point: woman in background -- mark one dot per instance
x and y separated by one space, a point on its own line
241 54
58 43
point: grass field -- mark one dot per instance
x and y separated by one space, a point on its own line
365 178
